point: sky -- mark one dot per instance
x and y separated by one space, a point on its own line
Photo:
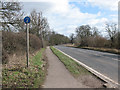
66 15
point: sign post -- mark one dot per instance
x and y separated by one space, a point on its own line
27 20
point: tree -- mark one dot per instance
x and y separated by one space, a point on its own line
39 26
118 40
95 32
72 38
83 32
56 39
35 23
111 30
11 15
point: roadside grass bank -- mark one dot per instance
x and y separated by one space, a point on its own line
78 71
23 77
109 50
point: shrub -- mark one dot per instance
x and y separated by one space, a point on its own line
4 57
16 42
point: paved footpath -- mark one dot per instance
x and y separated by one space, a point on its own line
58 76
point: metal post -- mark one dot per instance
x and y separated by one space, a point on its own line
27 45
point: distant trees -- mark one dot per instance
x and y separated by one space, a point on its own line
90 36
56 39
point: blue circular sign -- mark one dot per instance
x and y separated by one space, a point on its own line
27 20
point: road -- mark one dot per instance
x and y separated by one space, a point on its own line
103 62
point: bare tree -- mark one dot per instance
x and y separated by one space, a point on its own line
11 16
39 26
112 30
72 38
35 23
95 32
83 32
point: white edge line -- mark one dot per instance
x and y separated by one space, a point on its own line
103 77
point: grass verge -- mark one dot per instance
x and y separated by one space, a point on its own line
23 77
109 50
75 68
115 51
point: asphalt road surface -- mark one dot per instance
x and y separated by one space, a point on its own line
103 62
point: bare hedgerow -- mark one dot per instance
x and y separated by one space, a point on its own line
16 42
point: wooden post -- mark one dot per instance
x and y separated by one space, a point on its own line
27 20
27 45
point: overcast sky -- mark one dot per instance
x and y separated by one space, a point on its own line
65 15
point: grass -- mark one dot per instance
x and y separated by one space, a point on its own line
115 51
110 50
75 68
23 77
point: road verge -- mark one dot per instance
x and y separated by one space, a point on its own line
109 50
23 77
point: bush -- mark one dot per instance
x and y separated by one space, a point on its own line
35 43
4 57
91 41
16 42
98 41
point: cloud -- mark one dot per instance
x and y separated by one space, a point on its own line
99 23
66 20
103 4
106 4
64 17
62 4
